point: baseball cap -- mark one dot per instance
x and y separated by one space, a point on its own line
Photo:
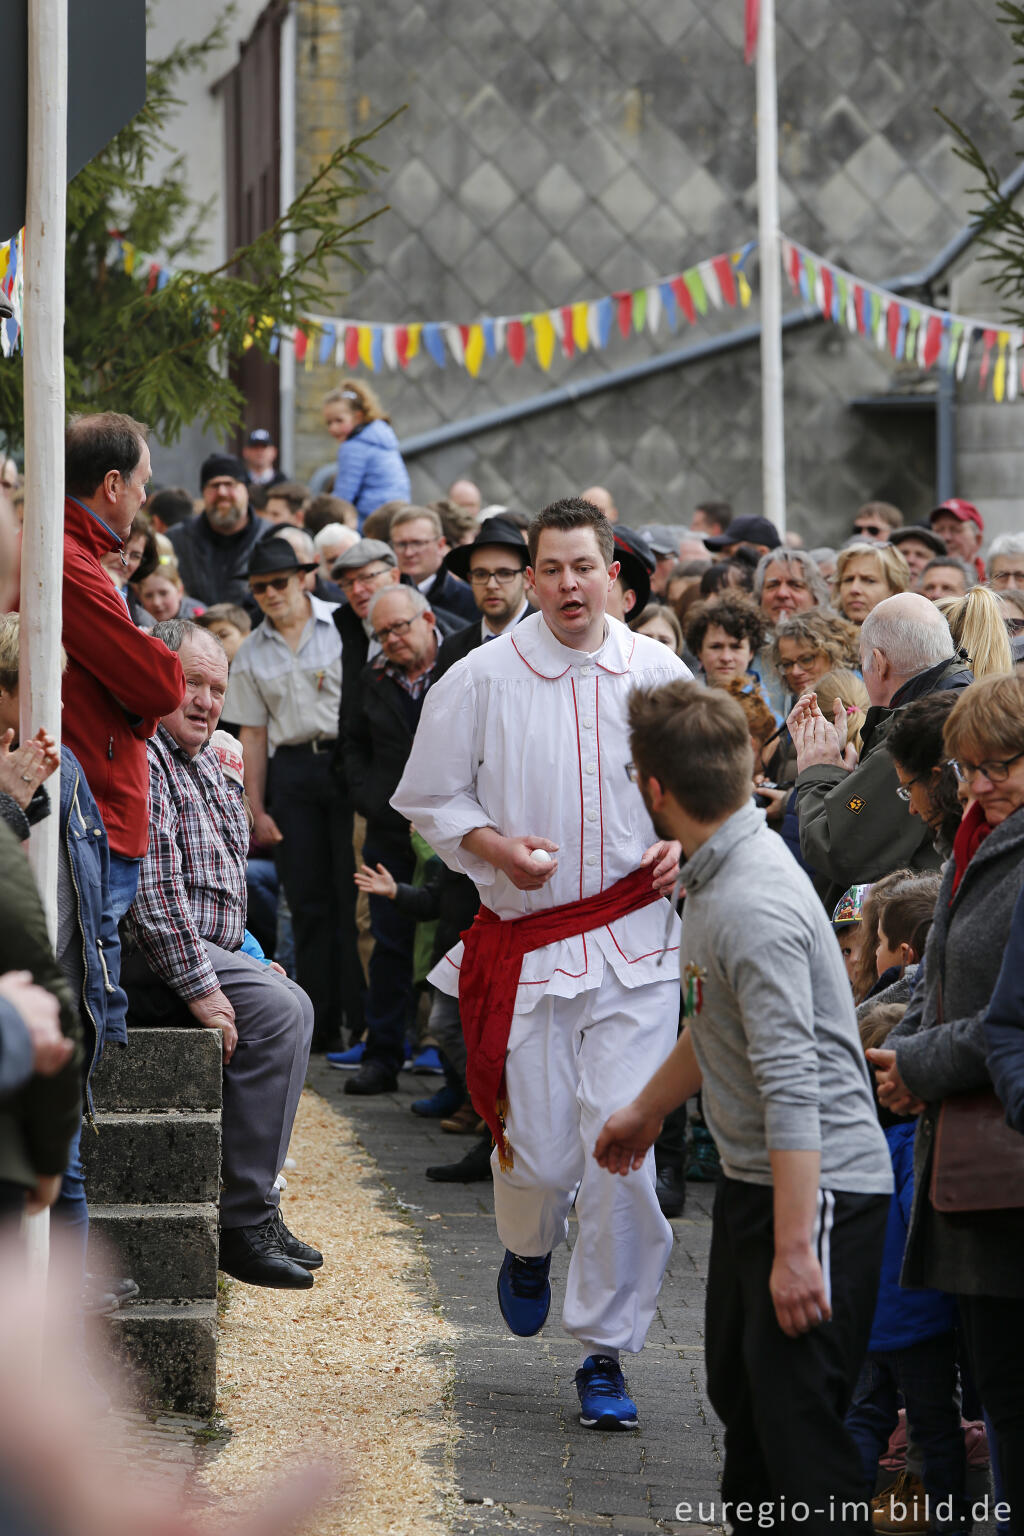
746 530
259 437
850 907
963 511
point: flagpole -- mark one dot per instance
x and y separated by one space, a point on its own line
773 443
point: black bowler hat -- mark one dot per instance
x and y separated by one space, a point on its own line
496 530
746 530
637 562
273 555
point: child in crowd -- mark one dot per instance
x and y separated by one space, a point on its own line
162 594
913 1349
897 914
848 927
847 686
370 470
229 623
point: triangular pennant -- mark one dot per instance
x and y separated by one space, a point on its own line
653 308
668 301
932 340
580 327
603 320
389 346
723 269
490 339
516 340
639 309
826 290
684 298
351 346
412 348
999 373
709 277
988 339
453 336
402 345
476 349
366 346
327 340
568 339
301 343
624 312
695 286
434 343
377 348
544 339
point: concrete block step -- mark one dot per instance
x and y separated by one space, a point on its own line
161 1069
170 1352
170 1251
153 1159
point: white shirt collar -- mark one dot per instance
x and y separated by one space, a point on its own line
547 656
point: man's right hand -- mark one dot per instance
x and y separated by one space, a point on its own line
265 829
214 1011
515 862
40 1014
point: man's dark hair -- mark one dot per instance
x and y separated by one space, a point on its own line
719 512
736 613
696 742
174 633
731 575
94 445
172 506
291 491
326 509
573 512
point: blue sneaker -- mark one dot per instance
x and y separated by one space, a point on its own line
444 1102
603 1400
524 1293
348 1061
427 1061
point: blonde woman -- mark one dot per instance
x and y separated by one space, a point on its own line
370 467
978 628
865 575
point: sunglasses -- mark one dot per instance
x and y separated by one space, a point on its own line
872 530
257 588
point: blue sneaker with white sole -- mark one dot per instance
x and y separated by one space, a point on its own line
348 1061
604 1403
524 1293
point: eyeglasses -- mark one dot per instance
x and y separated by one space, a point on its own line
805 663
997 771
394 630
362 579
872 530
502 577
409 546
257 588
904 789
1014 627
1000 579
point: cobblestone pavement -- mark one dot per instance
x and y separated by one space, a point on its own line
522 1460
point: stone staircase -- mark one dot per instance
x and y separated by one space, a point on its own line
152 1172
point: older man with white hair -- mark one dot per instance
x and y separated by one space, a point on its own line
854 825
1006 562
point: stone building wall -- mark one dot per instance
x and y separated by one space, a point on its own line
554 150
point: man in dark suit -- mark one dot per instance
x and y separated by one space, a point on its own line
494 565
418 541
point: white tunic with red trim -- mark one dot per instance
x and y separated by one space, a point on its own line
532 738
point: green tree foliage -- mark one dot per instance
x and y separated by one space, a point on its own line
164 356
1000 222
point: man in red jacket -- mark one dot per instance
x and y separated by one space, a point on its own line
119 681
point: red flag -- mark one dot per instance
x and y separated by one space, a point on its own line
892 323
301 343
722 266
351 346
753 22
933 340
515 341
568 340
402 345
685 299
826 290
794 269
625 306
858 305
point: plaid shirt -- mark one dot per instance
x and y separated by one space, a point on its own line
192 879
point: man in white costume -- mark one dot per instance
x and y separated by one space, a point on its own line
566 1007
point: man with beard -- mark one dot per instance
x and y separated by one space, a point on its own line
494 565
214 549
519 777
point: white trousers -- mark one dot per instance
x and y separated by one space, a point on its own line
571 1062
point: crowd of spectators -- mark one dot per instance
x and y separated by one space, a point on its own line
249 874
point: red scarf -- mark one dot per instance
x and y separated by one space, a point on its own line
970 835
489 978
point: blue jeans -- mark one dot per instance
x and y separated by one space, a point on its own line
926 1374
124 882
390 998
70 1210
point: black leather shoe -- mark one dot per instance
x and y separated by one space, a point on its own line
372 1077
302 1253
670 1187
474 1168
256 1256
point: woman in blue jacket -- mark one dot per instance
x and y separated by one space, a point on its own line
370 467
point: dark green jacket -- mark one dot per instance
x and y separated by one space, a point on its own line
38 1122
853 826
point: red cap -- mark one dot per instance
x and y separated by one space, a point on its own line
963 511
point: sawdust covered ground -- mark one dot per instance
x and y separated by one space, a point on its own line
353 1372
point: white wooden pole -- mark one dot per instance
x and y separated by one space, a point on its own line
773 461
286 354
42 544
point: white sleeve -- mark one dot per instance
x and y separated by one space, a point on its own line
437 792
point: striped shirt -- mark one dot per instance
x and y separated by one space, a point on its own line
192 879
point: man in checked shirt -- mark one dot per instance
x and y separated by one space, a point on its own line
188 921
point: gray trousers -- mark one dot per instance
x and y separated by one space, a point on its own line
262 1083
445 1026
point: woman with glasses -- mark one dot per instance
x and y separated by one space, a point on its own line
865 574
807 645
928 786
371 469
1011 606
938 1050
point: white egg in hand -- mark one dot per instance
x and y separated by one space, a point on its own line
540 856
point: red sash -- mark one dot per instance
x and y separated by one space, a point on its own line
489 977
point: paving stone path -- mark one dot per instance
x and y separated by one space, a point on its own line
522 1461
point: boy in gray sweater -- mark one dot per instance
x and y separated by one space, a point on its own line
771 1038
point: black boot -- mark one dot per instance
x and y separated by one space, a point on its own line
474 1168
670 1187
256 1256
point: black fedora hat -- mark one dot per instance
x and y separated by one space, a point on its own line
272 555
637 562
496 530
